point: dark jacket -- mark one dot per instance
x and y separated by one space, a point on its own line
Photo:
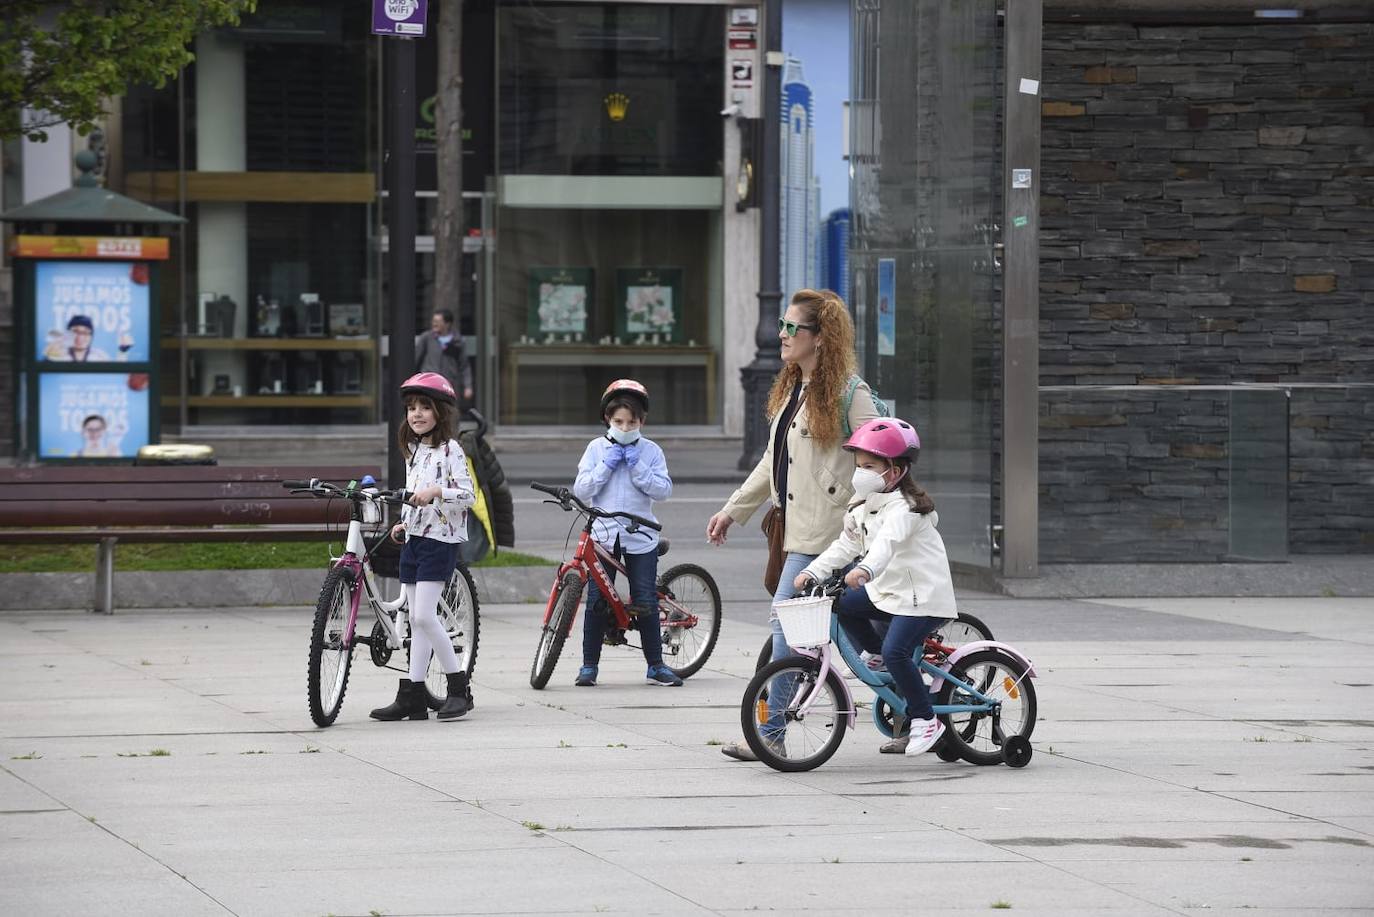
450 361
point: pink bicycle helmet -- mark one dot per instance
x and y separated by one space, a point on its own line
431 384
887 437
625 388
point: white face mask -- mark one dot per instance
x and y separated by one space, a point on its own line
624 437
866 482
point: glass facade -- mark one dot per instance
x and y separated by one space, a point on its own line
593 151
270 309
609 208
925 197
610 89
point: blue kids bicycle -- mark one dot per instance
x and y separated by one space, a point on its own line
795 710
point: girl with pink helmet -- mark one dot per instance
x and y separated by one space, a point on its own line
433 523
901 576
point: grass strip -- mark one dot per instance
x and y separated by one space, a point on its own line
80 558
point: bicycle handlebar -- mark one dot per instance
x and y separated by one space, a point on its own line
567 500
832 587
317 488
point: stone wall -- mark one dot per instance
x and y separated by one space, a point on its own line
1208 218
1129 477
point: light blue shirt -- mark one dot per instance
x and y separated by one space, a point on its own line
625 488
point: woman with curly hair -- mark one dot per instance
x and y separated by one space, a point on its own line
804 470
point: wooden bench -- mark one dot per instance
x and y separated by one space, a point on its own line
204 503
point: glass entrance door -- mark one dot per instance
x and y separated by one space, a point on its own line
925 156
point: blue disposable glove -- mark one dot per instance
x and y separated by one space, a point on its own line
631 454
613 457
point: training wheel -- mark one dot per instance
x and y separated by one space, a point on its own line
1016 751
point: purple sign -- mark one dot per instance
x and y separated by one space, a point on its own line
399 18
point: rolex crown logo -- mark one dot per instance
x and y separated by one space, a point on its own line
616 105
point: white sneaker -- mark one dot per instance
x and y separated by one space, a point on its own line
924 735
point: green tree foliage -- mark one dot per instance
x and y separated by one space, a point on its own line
62 60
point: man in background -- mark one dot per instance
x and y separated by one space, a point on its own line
440 350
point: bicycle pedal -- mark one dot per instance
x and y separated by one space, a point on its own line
614 637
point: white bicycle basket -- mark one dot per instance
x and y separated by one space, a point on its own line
806 620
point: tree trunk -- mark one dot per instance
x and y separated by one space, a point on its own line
448 123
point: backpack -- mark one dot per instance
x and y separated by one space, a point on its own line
878 403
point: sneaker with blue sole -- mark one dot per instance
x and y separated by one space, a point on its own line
586 677
662 675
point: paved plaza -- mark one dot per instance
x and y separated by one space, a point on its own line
1192 756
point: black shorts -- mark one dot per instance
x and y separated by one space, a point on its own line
424 560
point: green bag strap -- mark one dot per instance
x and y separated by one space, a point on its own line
854 380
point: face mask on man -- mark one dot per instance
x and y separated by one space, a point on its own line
624 437
867 481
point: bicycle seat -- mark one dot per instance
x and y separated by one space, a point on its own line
662 546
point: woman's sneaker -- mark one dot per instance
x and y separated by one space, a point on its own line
586 677
662 675
901 736
923 736
741 751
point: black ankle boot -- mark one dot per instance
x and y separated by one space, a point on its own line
459 700
411 703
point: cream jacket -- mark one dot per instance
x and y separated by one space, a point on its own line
901 551
817 479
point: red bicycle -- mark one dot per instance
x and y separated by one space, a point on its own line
688 599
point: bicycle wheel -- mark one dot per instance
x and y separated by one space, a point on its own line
979 737
963 629
787 738
688 590
553 635
458 612
330 658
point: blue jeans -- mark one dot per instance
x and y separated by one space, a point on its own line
643 575
781 690
898 647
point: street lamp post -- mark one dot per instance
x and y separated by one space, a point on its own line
757 377
400 61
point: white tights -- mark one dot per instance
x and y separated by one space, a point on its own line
427 635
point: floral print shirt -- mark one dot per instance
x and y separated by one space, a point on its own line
444 519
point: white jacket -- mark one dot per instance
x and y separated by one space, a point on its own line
902 552
817 479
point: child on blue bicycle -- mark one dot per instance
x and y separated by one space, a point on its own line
902 575
624 471
433 523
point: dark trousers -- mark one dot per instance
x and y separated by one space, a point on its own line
643 574
905 635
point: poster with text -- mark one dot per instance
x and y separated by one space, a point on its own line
91 312
92 415
887 307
